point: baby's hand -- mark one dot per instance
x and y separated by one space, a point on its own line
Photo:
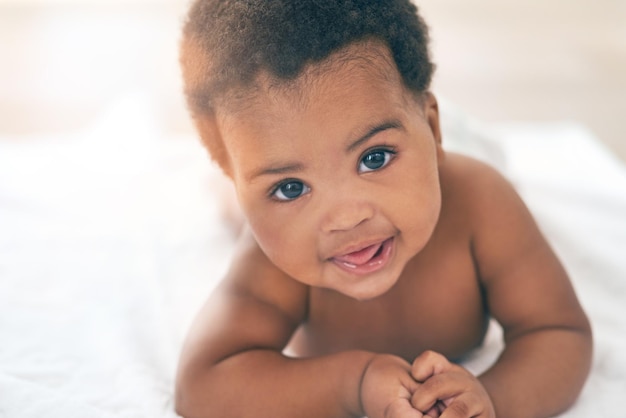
448 390
387 387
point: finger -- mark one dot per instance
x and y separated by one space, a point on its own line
402 409
409 383
441 387
466 405
428 364
434 412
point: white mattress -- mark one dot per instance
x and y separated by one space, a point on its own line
110 240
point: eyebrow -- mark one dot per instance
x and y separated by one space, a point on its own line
283 169
372 131
297 167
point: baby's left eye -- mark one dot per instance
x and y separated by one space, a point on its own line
375 160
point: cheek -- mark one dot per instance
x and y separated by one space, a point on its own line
420 204
271 238
267 230
285 241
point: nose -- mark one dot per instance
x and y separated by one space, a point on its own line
346 212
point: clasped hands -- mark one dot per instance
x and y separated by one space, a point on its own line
430 387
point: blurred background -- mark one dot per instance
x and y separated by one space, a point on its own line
534 60
63 61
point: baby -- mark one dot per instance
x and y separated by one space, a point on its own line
372 260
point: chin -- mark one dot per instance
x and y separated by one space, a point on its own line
367 291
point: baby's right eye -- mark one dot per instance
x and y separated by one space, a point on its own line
290 190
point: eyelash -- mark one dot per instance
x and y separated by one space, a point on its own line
391 151
285 182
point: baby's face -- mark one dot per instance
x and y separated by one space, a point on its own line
338 178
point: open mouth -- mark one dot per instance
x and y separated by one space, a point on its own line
366 260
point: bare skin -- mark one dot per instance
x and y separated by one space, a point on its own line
377 259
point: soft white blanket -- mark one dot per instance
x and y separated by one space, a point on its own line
110 240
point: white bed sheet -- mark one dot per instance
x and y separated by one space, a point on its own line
110 240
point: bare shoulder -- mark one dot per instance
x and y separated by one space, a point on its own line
472 180
502 228
254 306
525 284
486 198
478 196
256 295
253 277
489 199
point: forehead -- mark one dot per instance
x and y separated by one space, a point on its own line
342 77
335 101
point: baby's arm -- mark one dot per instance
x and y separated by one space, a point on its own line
232 363
548 338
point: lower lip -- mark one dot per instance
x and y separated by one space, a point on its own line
373 265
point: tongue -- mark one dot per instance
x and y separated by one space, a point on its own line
359 257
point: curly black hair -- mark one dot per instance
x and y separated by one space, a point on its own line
227 43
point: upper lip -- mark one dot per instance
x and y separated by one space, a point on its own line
351 248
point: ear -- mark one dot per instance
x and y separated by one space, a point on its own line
211 136
431 113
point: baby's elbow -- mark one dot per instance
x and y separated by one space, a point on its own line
183 404
188 402
585 331
187 407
